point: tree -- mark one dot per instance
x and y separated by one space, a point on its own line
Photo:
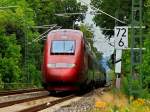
15 33
89 37
146 57
9 59
117 8
45 11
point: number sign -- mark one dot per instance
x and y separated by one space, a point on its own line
121 37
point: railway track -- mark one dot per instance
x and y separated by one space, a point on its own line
43 100
13 92
9 106
9 103
47 105
49 101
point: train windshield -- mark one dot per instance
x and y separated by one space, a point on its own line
63 47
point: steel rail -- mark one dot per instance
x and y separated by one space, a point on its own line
47 105
12 92
10 103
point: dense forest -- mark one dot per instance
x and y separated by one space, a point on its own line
121 9
22 23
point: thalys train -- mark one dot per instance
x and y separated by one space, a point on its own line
68 62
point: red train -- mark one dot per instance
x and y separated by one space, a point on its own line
68 62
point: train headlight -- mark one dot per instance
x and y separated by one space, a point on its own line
51 65
60 65
70 65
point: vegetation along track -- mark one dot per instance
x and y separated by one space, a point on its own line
12 92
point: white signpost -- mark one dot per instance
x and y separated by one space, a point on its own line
121 42
121 37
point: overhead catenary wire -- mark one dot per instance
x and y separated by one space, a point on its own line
103 12
76 13
40 37
44 26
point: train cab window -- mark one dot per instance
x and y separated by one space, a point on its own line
63 47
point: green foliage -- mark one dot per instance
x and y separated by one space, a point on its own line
117 8
45 11
14 23
133 88
146 59
89 36
146 64
9 59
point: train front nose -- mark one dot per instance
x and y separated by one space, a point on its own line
61 72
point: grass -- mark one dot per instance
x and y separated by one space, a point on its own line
118 102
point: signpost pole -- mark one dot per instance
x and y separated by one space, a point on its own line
118 67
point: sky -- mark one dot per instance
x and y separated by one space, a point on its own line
99 41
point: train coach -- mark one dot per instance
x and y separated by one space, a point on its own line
68 62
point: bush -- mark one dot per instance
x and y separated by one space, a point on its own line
134 88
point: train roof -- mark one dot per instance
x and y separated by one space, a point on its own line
67 31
